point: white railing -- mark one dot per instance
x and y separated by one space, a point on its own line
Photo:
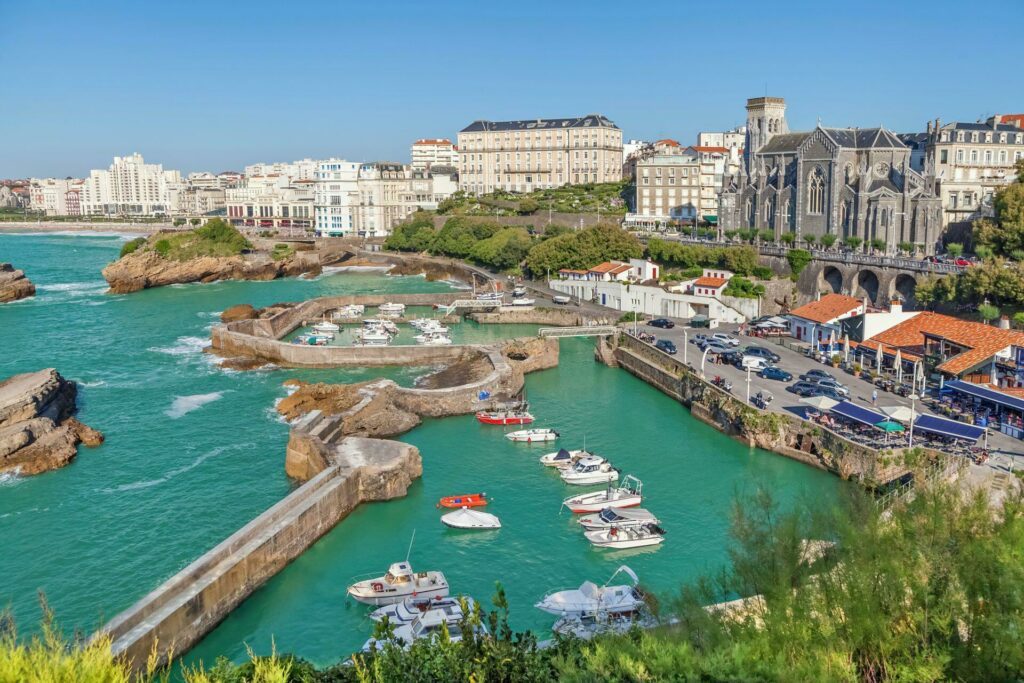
583 331
470 303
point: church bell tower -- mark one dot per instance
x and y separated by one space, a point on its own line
766 118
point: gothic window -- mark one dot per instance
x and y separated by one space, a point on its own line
790 214
750 212
843 216
769 211
816 192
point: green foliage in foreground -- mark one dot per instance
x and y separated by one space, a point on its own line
216 238
743 288
742 260
131 246
932 592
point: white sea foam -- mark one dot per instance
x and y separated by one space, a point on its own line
97 383
183 405
184 346
199 460
74 287
10 478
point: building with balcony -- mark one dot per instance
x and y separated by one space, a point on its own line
272 202
972 161
667 190
522 156
131 187
56 196
429 152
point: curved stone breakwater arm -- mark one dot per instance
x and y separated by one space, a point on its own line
13 284
37 430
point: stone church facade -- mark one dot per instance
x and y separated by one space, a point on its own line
849 182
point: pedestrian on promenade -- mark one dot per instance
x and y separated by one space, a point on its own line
874 397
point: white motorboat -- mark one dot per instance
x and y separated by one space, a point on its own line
590 599
313 339
399 583
591 469
433 339
372 337
627 537
523 302
380 324
532 435
406 611
626 494
563 458
350 311
391 309
519 291
325 327
621 518
424 626
489 296
465 518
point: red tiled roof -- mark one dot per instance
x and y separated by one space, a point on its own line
1017 119
433 141
982 341
708 281
828 308
723 150
668 142
572 270
607 267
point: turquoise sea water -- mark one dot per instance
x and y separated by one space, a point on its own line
193 452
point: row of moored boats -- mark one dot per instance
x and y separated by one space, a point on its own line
378 331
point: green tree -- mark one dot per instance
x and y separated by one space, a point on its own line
503 250
878 244
853 242
906 247
828 239
743 288
798 260
766 235
554 230
954 249
178 222
983 252
527 207
1018 320
988 312
810 240
788 238
194 221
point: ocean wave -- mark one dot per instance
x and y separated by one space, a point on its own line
184 346
75 287
273 415
97 383
183 405
208 314
10 478
75 233
171 474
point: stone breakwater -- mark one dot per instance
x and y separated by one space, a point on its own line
145 269
13 284
37 430
175 616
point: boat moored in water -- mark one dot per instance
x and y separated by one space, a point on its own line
391 309
432 621
563 457
591 469
467 500
532 435
406 611
465 518
325 327
626 537
617 517
515 414
399 583
626 494
590 599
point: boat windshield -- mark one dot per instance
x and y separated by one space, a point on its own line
609 515
396 578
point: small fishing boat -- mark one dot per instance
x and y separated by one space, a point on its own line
399 583
465 518
350 311
391 309
406 611
489 296
563 458
518 292
628 537
372 337
433 339
432 621
532 435
591 469
621 518
313 339
626 494
468 500
428 325
523 302
381 324
590 599
515 414
324 327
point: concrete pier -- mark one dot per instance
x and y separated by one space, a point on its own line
186 607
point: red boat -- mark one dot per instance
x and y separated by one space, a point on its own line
504 417
469 500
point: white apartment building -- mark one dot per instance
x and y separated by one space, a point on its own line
427 190
522 156
972 161
55 196
730 139
428 152
714 164
131 187
667 190
272 202
337 196
304 169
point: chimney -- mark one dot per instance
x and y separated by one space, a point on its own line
929 128
895 306
1004 322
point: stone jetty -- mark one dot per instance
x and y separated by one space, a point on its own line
37 429
13 284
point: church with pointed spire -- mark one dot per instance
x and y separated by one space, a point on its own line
847 182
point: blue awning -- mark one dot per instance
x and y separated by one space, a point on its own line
940 425
858 413
986 394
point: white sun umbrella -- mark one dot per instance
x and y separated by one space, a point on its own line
846 348
898 413
919 377
820 402
878 359
831 340
899 367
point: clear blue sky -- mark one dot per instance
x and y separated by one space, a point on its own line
216 85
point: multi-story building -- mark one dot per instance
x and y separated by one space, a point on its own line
337 196
667 190
428 152
382 185
731 139
427 190
846 182
972 161
304 169
273 201
131 187
53 196
714 165
522 156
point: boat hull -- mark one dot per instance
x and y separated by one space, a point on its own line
580 507
470 500
601 539
492 419
588 479
366 595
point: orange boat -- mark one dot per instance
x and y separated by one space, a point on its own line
469 500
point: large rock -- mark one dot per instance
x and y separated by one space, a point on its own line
13 284
143 269
37 430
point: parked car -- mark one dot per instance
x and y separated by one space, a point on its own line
755 363
717 349
560 299
775 372
815 375
724 339
828 392
666 345
834 385
699 339
804 388
733 357
961 261
663 323
762 352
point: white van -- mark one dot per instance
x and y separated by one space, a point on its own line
754 363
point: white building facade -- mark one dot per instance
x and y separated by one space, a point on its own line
55 196
131 187
648 300
429 152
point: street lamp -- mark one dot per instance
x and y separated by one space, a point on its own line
702 359
686 346
913 397
748 384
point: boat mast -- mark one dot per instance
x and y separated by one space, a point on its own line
409 551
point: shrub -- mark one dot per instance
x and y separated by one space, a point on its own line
162 247
194 221
743 288
983 252
221 232
763 273
907 247
878 244
954 249
988 312
177 222
132 246
827 240
631 317
788 238
853 242
810 239
798 260
527 207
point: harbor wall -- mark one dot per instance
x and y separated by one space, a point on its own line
187 606
558 317
783 434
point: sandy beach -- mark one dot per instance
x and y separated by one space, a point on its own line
84 227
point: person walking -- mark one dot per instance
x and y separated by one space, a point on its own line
874 397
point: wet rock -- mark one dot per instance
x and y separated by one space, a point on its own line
13 284
239 312
37 430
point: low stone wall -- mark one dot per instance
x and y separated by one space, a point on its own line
179 613
777 432
558 317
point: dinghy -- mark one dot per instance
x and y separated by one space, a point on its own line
532 435
470 519
469 500
627 494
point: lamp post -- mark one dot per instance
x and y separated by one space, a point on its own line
686 345
748 384
702 359
913 397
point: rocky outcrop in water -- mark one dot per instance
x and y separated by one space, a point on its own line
13 284
143 269
37 430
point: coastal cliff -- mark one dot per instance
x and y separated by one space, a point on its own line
37 430
13 284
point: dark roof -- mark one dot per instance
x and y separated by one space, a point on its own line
852 138
787 142
588 121
913 140
879 183
998 128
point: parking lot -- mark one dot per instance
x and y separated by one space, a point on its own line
797 363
